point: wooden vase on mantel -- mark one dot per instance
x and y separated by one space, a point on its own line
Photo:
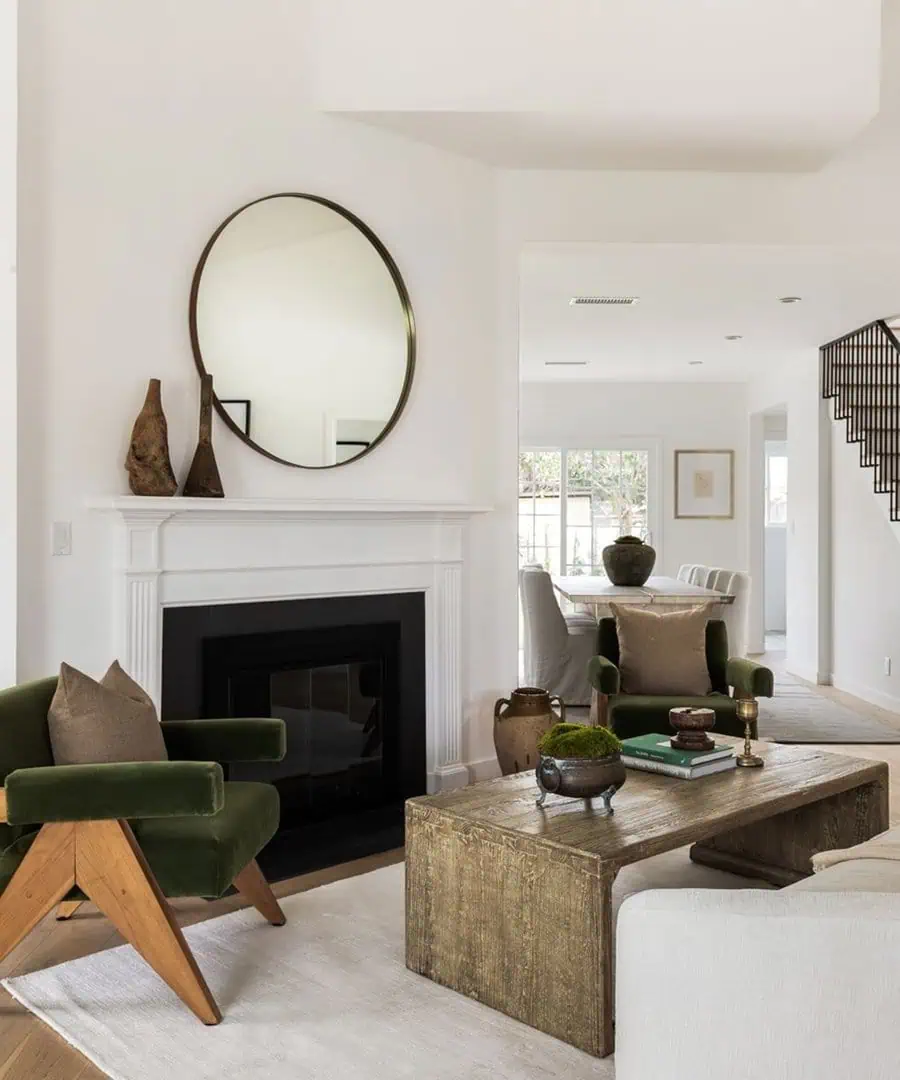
147 461
203 480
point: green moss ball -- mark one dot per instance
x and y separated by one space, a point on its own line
578 741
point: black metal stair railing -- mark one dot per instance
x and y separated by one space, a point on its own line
861 375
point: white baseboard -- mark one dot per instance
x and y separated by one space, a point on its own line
485 769
447 778
866 693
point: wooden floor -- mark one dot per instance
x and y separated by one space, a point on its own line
31 1051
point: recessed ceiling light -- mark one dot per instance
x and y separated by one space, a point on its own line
694 363
565 363
613 301
789 299
733 337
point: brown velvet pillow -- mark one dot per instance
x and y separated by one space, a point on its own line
111 720
662 654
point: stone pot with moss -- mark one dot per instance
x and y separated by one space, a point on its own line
628 561
580 762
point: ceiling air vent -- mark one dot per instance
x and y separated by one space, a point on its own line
605 301
565 363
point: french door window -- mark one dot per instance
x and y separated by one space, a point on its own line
572 503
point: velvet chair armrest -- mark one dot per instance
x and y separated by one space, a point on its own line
232 739
131 789
749 679
604 675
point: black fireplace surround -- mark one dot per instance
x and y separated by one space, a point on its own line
347 675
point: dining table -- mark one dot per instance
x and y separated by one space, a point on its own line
596 593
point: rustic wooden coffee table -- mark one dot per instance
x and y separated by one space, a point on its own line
511 904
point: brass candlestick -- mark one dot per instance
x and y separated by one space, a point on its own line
748 711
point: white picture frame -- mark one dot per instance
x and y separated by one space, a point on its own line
704 484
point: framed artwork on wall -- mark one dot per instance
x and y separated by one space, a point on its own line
704 484
239 411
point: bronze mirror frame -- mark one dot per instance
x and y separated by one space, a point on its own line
405 304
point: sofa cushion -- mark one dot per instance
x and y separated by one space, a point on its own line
859 875
111 720
662 653
639 714
193 856
200 856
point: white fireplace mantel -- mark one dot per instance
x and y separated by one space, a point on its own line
176 551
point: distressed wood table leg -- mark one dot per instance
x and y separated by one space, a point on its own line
519 925
779 849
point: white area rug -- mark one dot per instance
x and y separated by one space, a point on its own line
326 997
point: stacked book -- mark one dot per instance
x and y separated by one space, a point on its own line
654 753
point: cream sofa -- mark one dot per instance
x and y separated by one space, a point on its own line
798 984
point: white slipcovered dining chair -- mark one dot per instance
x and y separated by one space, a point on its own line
722 580
556 653
685 570
698 575
709 577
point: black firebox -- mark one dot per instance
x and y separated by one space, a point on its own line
347 676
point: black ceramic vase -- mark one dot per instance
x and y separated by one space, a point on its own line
628 561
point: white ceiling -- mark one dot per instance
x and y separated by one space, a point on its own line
691 296
733 85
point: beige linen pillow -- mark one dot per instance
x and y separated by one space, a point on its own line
662 654
110 720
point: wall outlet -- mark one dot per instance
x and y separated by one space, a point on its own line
887 665
61 538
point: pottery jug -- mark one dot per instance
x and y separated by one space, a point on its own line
628 561
519 721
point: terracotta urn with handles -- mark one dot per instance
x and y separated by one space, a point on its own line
519 721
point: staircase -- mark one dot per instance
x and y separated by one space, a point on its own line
861 374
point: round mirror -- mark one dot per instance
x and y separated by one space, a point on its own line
302 318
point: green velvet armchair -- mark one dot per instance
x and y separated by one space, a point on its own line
637 714
128 835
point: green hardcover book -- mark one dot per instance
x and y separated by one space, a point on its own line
658 748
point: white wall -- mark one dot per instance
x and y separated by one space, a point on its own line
8 381
775 576
849 202
793 386
682 417
866 556
143 126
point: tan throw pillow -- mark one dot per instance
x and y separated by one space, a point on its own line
662 654
111 720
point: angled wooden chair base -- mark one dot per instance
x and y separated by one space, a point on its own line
104 860
67 909
252 885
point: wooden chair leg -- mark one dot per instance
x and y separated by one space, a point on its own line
67 909
112 870
252 885
43 878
